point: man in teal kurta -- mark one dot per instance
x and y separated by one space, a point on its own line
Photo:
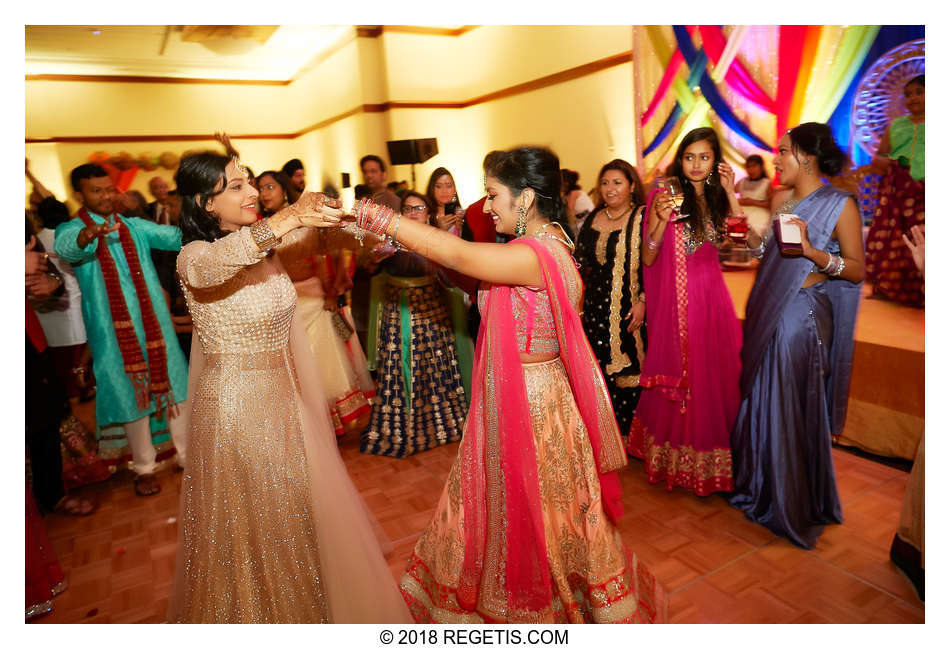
116 402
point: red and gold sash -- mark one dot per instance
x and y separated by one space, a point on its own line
149 375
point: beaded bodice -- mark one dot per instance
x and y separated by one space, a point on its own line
240 301
531 307
693 240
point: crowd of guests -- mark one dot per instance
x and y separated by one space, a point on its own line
611 332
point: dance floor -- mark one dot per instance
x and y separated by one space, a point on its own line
886 406
716 565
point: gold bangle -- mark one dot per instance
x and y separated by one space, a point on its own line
263 236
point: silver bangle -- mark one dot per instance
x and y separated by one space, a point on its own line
651 244
396 227
830 265
839 267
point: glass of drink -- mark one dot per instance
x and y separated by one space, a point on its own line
671 185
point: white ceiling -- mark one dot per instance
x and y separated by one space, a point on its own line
159 51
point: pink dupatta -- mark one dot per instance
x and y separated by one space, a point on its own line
666 362
499 426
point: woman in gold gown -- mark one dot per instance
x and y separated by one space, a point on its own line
270 528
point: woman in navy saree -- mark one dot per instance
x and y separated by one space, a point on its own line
797 347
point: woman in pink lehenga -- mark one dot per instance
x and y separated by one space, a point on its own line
525 528
690 375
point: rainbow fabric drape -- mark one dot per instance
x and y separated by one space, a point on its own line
816 66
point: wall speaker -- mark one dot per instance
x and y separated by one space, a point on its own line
407 152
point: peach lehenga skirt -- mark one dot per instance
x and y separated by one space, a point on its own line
594 577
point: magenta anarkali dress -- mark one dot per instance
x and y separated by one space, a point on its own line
691 371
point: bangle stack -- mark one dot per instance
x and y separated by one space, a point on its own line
834 267
651 244
375 222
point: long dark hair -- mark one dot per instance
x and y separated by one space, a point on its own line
630 173
284 181
539 169
430 191
717 201
814 138
199 178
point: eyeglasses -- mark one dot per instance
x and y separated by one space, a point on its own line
418 209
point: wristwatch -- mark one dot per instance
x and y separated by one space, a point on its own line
263 236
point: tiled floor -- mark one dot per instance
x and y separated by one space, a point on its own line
716 565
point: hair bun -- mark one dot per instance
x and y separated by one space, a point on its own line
814 138
831 159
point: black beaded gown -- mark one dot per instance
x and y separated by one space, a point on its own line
609 257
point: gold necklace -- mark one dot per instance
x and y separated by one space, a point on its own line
566 240
611 217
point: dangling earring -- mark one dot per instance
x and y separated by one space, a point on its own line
806 165
522 226
709 180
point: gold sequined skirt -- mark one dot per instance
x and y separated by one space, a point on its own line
594 577
249 543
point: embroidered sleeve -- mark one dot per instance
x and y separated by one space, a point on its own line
203 264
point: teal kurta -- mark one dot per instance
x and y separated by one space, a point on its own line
115 402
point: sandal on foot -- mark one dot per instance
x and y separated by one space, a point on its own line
74 506
146 485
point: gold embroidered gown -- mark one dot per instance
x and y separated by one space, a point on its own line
271 529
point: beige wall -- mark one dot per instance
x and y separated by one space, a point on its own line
587 121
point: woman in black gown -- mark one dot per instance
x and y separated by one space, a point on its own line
608 251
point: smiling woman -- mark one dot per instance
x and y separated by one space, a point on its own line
267 508
524 531
614 315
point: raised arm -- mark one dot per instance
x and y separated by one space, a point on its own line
37 185
496 263
204 264
76 243
727 178
225 139
160 237
659 218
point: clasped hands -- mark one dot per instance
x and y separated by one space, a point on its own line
316 210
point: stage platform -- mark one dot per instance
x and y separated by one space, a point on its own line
886 408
